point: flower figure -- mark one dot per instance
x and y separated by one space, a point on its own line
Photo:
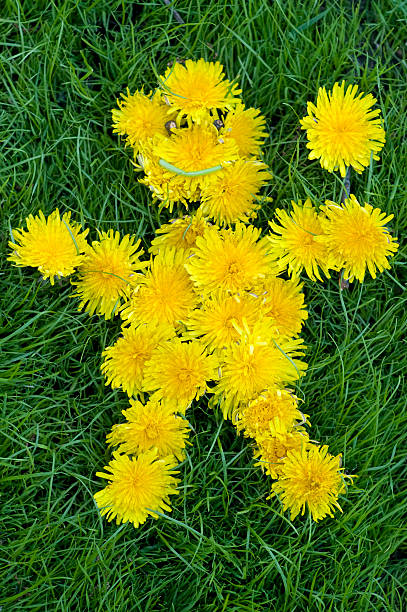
154 425
198 88
342 130
124 361
294 241
310 478
179 372
356 238
230 260
247 128
140 118
233 193
138 487
164 295
108 269
51 244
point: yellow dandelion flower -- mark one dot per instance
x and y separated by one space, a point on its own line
256 364
310 478
164 295
180 234
342 130
221 315
154 425
283 303
198 88
272 451
138 487
123 364
230 260
194 150
51 244
357 238
275 410
106 272
139 117
234 192
167 187
179 372
247 128
294 241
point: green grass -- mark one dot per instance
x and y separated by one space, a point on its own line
224 547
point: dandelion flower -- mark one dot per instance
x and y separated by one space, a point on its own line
151 426
124 361
180 234
275 409
342 130
230 260
254 365
220 316
198 88
310 477
357 238
164 295
232 195
283 303
138 487
106 272
179 372
165 186
51 244
140 117
294 241
195 149
247 128
272 451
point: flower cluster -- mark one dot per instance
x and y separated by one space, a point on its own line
195 141
209 311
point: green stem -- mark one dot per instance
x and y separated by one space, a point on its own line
176 170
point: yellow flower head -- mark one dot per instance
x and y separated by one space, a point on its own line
124 361
232 195
357 238
283 303
294 241
179 372
218 321
180 234
230 260
310 477
138 487
107 270
247 128
164 295
198 88
195 149
167 187
275 410
140 117
272 451
154 425
342 130
254 365
51 244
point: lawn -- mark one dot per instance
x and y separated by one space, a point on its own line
224 546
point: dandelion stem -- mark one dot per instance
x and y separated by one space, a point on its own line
176 170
